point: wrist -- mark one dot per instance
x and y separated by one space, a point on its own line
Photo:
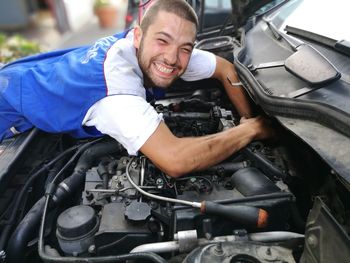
251 129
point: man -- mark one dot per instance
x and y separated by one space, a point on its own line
101 89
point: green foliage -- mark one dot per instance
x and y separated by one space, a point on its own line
101 3
14 47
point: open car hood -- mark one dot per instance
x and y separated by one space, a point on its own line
303 82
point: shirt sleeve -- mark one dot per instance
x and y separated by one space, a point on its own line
128 119
201 66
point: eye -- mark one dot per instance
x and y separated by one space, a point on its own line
161 41
186 50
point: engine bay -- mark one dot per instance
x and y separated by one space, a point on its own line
128 219
92 202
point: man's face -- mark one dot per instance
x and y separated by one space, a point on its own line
164 51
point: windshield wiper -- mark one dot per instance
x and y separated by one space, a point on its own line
342 46
278 35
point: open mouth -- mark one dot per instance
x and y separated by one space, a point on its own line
165 70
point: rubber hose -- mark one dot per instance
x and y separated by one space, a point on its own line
250 181
24 232
8 228
144 256
28 227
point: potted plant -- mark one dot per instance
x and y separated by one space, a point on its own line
106 12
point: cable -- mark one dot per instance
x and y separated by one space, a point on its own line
247 215
35 175
11 220
71 160
162 198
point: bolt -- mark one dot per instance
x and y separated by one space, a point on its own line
312 240
92 249
159 183
89 196
2 254
218 249
154 205
208 236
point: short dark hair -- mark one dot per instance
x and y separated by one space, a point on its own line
178 7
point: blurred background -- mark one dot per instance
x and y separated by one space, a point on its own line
31 26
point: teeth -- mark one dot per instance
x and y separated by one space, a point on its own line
164 69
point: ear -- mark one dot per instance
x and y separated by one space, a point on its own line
137 36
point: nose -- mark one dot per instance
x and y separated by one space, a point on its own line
171 55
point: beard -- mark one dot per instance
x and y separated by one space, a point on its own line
149 78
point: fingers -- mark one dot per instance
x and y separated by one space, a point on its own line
246 120
242 120
262 125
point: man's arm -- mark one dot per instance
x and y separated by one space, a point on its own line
178 156
226 73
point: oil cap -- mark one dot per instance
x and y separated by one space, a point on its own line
76 222
137 211
76 228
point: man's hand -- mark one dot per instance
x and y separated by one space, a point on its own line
261 125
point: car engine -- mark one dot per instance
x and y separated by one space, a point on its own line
105 203
128 219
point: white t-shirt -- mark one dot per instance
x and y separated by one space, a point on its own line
130 119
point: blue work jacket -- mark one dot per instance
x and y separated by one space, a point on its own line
53 91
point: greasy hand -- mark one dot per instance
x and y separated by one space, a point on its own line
262 127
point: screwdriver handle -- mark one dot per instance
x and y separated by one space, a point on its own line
243 214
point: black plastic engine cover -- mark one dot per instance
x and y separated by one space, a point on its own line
118 234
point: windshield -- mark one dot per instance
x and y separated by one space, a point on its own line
322 17
215 13
222 4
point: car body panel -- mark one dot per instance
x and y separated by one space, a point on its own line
321 116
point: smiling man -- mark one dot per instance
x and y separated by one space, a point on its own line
101 89
164 48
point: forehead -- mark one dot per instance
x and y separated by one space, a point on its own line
173 25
